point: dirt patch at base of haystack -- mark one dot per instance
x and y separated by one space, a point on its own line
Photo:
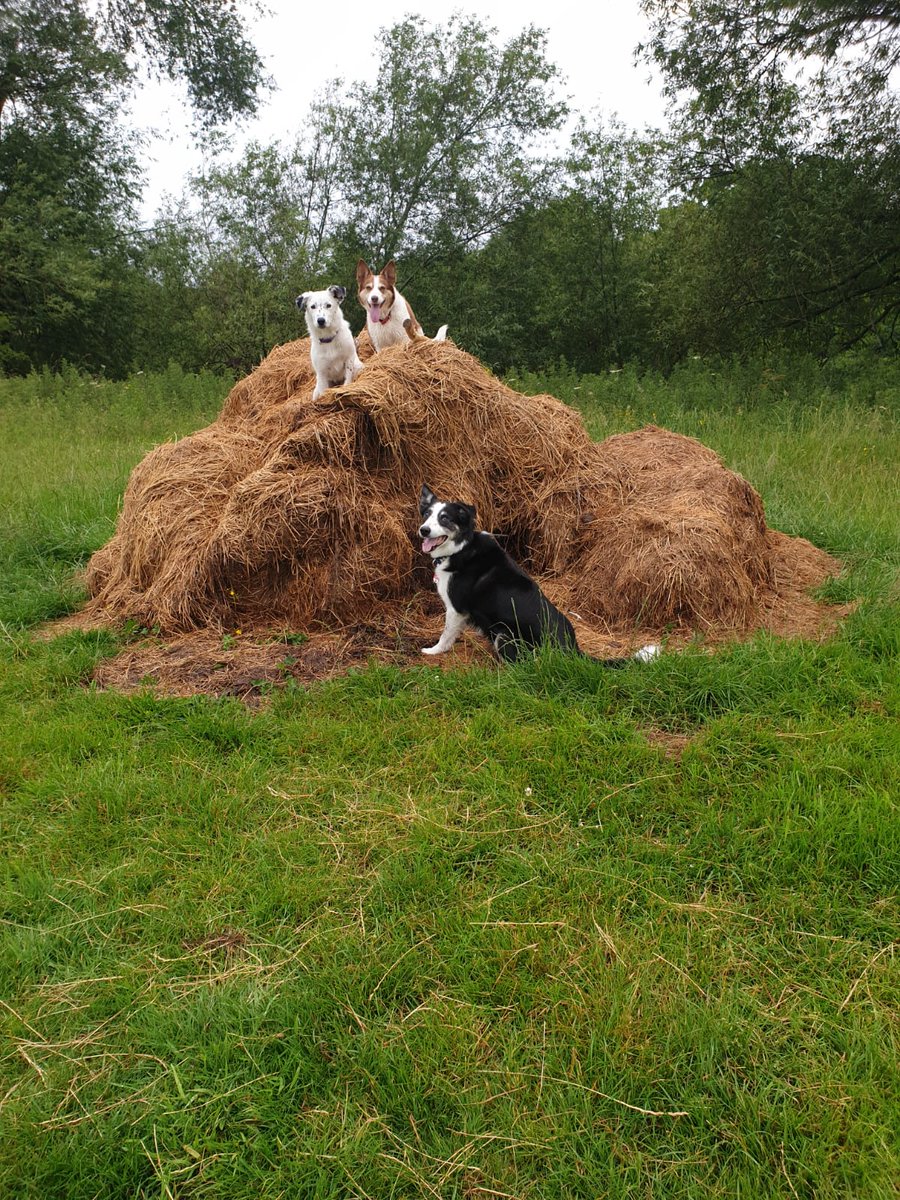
250 668
292 514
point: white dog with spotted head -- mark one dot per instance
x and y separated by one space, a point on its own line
332 344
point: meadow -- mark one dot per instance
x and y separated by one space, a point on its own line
542 932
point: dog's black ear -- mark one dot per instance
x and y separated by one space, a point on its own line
466 515
338 292
301 302
426 499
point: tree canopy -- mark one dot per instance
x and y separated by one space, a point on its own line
57 57
68 171
765 217
445 138
773 78
786 129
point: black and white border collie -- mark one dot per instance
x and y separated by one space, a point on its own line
481 585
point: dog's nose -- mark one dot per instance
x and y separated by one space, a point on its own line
423 531
320 320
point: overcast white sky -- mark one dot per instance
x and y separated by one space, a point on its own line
305 45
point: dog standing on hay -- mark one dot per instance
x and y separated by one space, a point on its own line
332 345
390 319
481 585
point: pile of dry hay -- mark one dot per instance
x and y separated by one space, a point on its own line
289 513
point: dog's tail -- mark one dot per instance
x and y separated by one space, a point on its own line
645 654
415 334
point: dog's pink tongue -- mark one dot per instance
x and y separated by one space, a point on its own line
375 312
429 544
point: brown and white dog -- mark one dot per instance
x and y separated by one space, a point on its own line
389 318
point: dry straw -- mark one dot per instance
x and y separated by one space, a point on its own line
289 513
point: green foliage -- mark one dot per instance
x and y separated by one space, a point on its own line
68 173
53 66
223 270
563 279
443 138
419 165
787 130
763 221
789 248
66 191
794 253
731 70
68 278
202 42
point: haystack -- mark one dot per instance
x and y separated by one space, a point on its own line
293 513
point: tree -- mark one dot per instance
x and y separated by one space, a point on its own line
786 132
710 44
229 259
66 185
68 174
440 151
420 165
771 78
617 179
58 57
562 279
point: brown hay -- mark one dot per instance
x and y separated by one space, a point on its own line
289 513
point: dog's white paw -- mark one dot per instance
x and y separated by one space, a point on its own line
438 649
648 653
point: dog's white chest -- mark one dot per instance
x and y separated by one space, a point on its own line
333 355
442 583
391 331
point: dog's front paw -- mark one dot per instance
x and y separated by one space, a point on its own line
438 649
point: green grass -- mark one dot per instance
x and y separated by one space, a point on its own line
67 446
414 934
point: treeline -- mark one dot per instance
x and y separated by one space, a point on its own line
764 217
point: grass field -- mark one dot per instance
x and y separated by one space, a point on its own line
544 932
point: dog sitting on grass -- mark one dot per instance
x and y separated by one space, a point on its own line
332 345
481 585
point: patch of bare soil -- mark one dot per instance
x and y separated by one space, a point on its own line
672 745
